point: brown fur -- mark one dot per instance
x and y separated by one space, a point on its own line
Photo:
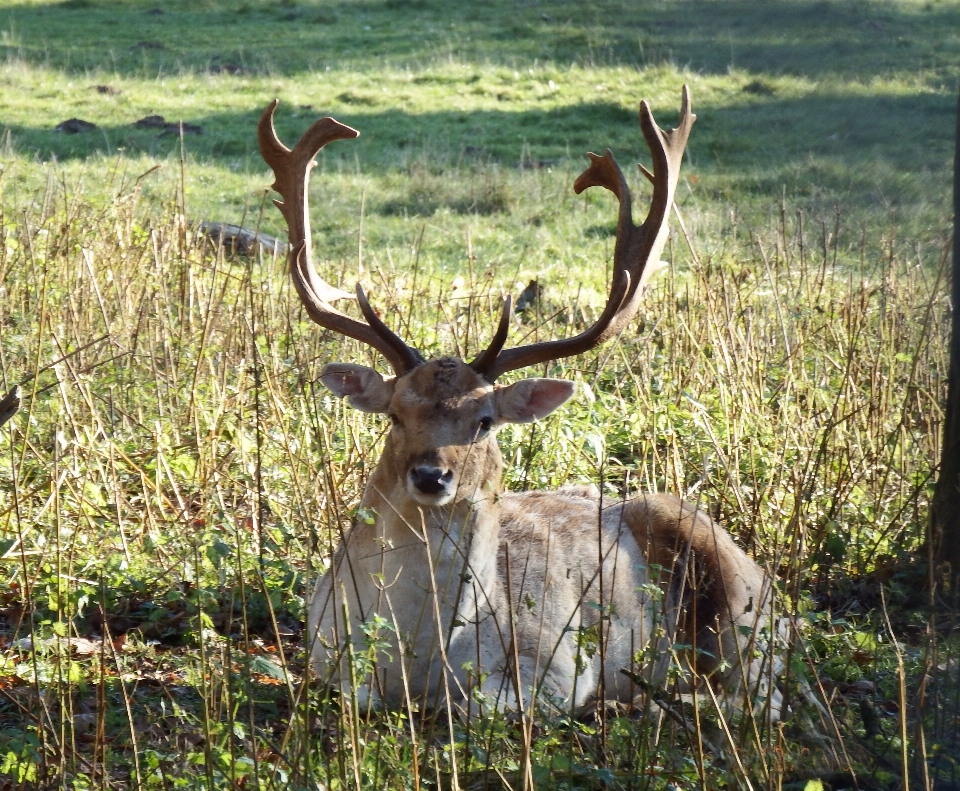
700 558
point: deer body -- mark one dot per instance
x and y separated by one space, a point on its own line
438 575
461 623
447 590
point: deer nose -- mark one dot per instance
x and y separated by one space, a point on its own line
431 480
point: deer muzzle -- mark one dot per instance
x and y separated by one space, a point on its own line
430 485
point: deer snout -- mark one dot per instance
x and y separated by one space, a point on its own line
431 480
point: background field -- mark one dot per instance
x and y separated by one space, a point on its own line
177 476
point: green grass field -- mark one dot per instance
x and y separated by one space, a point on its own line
847 103
177 476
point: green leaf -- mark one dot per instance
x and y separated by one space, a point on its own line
261 664
597 444
835 547
217 551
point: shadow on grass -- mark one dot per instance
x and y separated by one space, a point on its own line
851 145
816 38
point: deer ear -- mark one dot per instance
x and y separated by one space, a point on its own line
363 387
532 399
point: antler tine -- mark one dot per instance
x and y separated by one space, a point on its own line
488 355
410 356
291 169
637 250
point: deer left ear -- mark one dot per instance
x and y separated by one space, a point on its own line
532 399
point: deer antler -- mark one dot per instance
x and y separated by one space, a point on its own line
637 250
292 172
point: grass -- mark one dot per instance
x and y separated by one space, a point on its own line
830 102
177 477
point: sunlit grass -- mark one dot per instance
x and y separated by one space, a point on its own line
827 103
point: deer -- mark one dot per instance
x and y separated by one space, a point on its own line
468 595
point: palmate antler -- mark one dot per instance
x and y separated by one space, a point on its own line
637 250
291 170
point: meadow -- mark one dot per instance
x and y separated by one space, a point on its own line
177 475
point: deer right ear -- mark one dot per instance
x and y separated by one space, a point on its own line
363 387
532 399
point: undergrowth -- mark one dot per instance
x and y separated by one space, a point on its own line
177 478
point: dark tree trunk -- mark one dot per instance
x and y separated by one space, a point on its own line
946 499
9 405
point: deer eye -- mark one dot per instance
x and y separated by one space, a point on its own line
484 425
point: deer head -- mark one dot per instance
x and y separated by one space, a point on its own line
445 412
444 416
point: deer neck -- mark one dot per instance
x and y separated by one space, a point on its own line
462 537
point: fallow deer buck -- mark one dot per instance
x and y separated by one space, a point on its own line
481 595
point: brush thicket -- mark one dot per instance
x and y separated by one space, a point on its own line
177 478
